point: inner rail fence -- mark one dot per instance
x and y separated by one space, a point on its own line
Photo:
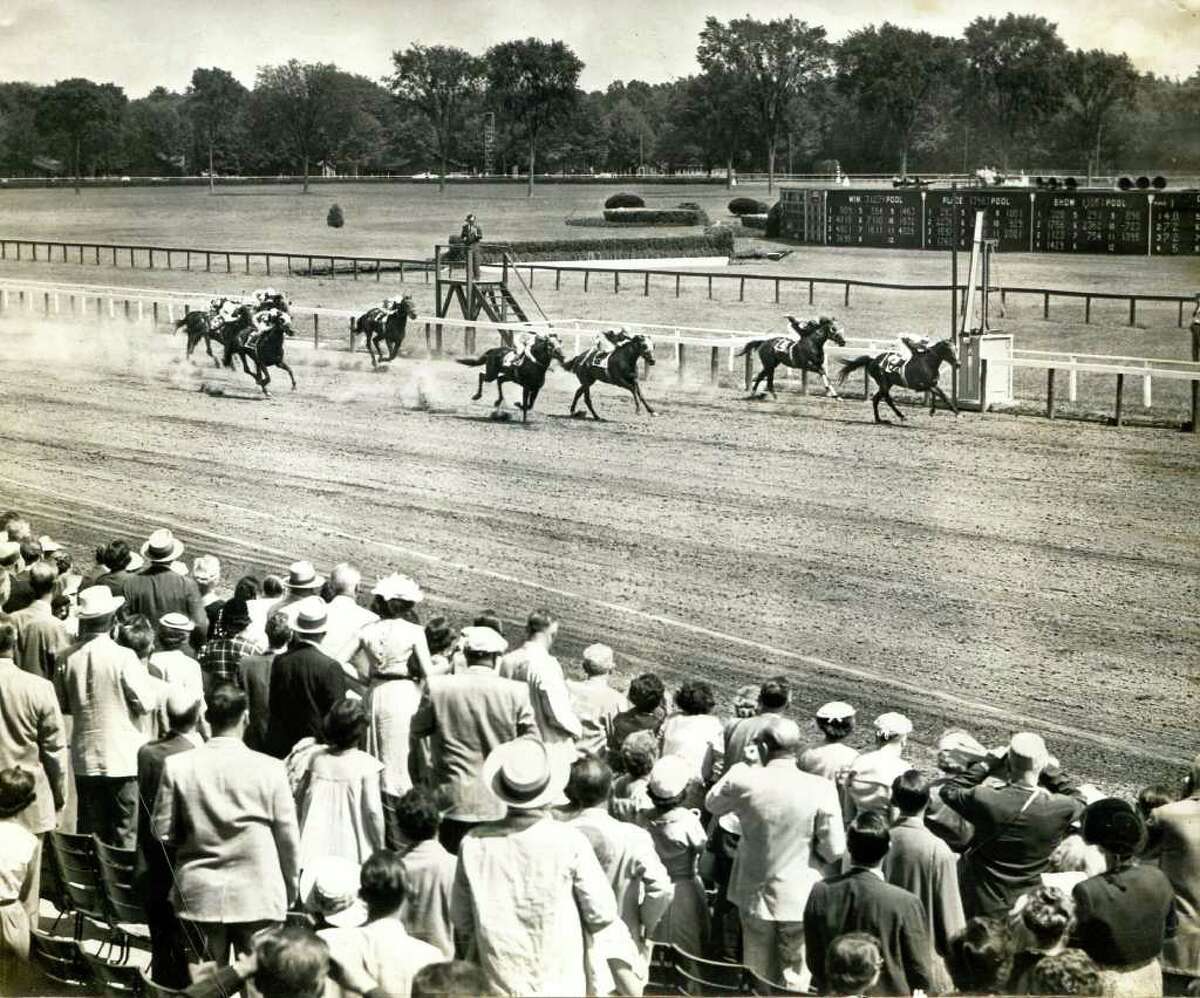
699 353
279 263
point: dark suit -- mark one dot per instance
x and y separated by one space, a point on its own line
1123 917
20 595
254 674
305 683
168 964
860 901
156 590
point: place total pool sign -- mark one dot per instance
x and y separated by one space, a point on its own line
1082 221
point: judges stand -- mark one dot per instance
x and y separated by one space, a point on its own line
985 375
478 288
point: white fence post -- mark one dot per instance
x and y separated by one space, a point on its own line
112 308
1146 397
56 308
139 310
1072 383
171 311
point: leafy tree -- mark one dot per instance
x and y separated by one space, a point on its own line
773 63
535 84
1016 70
216 102
84 114
18 127
901 78
1095 84
442 82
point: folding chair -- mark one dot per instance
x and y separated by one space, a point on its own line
116 980
79 874
62 961
1178 982
124 905
697 976
662 979
151 990
51 888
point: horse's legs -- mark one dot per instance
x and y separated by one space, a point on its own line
575 401
264 379
499 392
394 346
632 386
637 388
479 391
770 373
946 399
283 363
875 405
587 398
830 390
887 397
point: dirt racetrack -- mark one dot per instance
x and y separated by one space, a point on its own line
990 572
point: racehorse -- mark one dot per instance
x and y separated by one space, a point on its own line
266 352
199 326
806 353
919 373
388 325
616 368
529 373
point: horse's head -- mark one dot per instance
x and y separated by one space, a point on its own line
643 346
944 351
281 320
832 329
407 307
552 346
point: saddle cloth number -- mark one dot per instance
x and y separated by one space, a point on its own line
600 360
893 364
783 346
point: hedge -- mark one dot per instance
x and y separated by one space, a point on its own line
774 220
656 216
756 221
716 241
624 200
747 206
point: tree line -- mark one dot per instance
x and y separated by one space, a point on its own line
771 96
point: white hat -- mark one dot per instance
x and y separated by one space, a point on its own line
136 561
597 659
98 601
47 545
483 641
176 622
892 725
396 586
302 575
162 546
312 616
329 887
669 777
178 567
9 551
206 568
835 710
520 774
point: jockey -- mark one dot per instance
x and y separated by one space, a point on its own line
261 321
795 329
520 353
614 338
910 347
222 311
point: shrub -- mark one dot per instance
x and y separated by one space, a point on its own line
690 205
774 220
335 219
717 240
755 221
656 216
747 206
624 201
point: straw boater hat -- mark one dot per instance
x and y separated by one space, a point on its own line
48 545
520 774
312 616
18 790
98 601
893 725
483 641
669 778
163 546
176 622
836 710
302 575
329 887
396 586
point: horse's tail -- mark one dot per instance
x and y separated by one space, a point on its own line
471 361
852 365
570 365
180 323
748 346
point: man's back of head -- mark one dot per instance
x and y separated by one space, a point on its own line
779 739
31 551
774 694
183 710
226 709
868 839
42 576
910 793
345 579
417 816
450 979
293 962
8 636
1027 755
590 782
383 883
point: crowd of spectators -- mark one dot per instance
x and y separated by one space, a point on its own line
340 799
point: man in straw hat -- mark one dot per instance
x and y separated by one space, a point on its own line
305 682
32 737
302 582
1017 824
467 715
536 882
106 690
157 590
791 826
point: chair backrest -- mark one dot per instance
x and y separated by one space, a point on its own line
662 979
697 976
61 960
1178 982
124 860
78 867
117 980
761 986
152 990
124 903
51 886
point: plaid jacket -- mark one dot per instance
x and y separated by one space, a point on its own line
219 659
